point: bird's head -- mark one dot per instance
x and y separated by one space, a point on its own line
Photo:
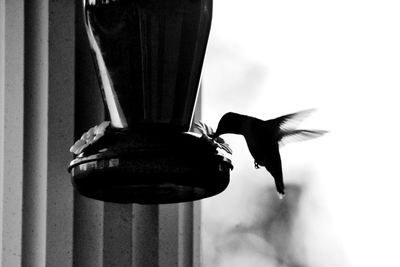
229 123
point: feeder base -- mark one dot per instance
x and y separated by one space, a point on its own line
152 169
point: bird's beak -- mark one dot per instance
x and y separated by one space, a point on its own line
214 135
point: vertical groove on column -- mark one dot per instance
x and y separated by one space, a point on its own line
197 249
60 132
145 235
35 133
88 232
189 234
11 131
88 213
185 234
168 235
117 234
2 115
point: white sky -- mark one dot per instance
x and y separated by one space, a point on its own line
268 58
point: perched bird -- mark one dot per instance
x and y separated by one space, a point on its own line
264 137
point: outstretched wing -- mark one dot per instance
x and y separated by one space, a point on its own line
291 121
287 131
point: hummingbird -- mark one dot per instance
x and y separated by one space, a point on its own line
264 137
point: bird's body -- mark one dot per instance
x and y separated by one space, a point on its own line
264 137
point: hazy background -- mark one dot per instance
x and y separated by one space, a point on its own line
268 58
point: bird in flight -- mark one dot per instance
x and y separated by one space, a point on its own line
263 138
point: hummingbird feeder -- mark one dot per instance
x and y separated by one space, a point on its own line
149 56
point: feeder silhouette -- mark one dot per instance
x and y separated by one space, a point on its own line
148 56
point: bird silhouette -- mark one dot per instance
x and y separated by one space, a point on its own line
264 137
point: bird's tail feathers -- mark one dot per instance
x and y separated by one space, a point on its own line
280 187
290 136
281 196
